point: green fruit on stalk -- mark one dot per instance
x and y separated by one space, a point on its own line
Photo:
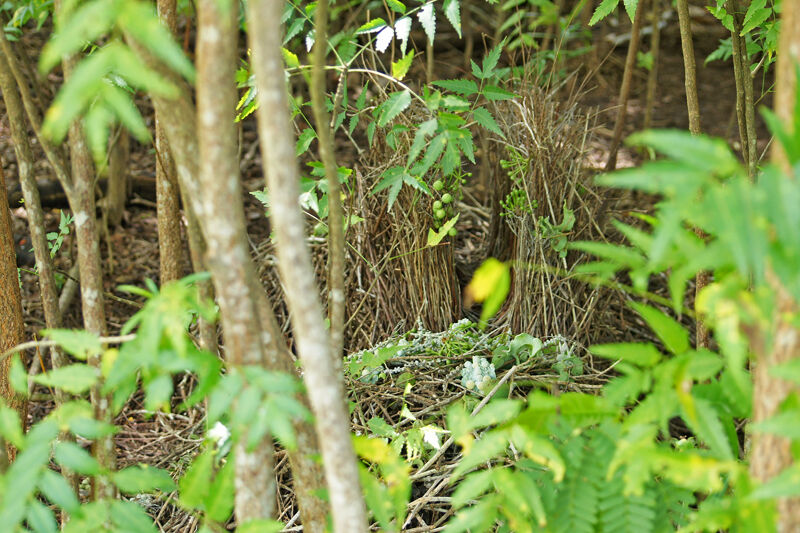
440 214
437 205
438 185
453 232
447 198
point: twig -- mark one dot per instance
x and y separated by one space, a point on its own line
118 339
449 442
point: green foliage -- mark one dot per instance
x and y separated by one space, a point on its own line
100 90
759 29
161 349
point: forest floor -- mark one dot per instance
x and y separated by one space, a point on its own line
131 250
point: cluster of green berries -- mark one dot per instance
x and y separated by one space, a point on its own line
516 202
443 207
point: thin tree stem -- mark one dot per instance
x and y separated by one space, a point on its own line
625 88
336 257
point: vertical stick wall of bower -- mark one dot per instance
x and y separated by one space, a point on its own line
324 384
11 325
771 454
228 257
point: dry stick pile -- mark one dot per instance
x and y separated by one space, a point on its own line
545 150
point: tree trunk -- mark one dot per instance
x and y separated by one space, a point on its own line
81 198
324 384
170 250
772 454
33 207
11 325
118 176
228 257
182 133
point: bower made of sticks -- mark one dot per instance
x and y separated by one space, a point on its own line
538 180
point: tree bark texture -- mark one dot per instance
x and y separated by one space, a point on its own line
786 82
11 326
771 454
182 133
170 250
118 178
324 384
336 244
228 257
81 198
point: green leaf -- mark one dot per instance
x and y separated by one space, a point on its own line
75 379
304 141
393 180
393 106
640 354
194 485
630 8
121 103
40 518
603 10
484 449
86 24
78 343
490 61
479 517
260 526
142 478
755 16
785 484
158 392
58 491
128 517
492 92
72 456
485 119
783 424
401 66
435 237
140 21
471 487
706 424
435 149
219 503
495 412
700 152
671 332
396 6
372 26
452 12
465 87
10 426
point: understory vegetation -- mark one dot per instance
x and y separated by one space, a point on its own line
424 266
